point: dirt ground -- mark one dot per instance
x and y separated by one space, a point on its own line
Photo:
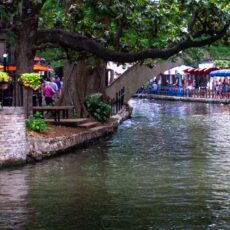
61 130
55 131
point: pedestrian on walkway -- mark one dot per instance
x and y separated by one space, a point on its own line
48 93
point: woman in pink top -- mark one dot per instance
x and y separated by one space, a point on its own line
48 93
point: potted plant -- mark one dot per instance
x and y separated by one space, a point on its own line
4 80
31 80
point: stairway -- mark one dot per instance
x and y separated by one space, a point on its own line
75 122
89 124
68 121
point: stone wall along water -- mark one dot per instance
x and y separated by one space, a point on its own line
13 142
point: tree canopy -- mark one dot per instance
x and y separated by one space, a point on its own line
120 30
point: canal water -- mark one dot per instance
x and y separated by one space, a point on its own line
166 168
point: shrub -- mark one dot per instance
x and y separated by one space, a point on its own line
36 123
76 115
98 109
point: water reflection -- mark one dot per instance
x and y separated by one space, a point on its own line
68 192
13 201
166 168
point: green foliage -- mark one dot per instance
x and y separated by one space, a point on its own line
144 24
98 109
53 56
36 123
4 77
192 55
222 63
76 115
219 51
123 25
31 80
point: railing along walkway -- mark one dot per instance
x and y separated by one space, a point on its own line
183 92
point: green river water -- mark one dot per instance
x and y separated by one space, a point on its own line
166 168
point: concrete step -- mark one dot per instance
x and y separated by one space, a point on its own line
68 121
97 128
89 124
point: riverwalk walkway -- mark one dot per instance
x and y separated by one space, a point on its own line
186 99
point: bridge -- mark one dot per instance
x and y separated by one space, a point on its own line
132 79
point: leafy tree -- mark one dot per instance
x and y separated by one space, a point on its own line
114 30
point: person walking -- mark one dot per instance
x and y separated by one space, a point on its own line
48 93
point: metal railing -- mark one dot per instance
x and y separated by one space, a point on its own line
185 92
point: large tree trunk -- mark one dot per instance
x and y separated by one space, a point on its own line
79 81
24 55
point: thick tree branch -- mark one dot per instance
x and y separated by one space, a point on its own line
118 33
192 22
46 45
76 42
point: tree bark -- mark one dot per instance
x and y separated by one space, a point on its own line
24 60
80 81
78 42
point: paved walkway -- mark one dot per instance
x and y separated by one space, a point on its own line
188 99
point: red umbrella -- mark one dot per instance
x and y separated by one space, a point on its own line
36 58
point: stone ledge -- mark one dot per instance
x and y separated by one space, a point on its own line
12 111
40 148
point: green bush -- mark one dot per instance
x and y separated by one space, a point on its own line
76 115
98 109
36 123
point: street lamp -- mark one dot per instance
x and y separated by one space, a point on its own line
4 61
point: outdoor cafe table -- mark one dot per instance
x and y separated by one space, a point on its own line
55 110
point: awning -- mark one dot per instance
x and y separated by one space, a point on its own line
200 71
178 69
37 67
220 73
210 69
189 70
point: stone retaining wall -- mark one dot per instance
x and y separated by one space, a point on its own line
40 148
13 140
46 147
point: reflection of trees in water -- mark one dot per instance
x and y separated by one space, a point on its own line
13 204
68 192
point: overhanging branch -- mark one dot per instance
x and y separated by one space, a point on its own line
76 42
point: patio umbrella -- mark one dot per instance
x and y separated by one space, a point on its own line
220 73
9 68
37 67
36 58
